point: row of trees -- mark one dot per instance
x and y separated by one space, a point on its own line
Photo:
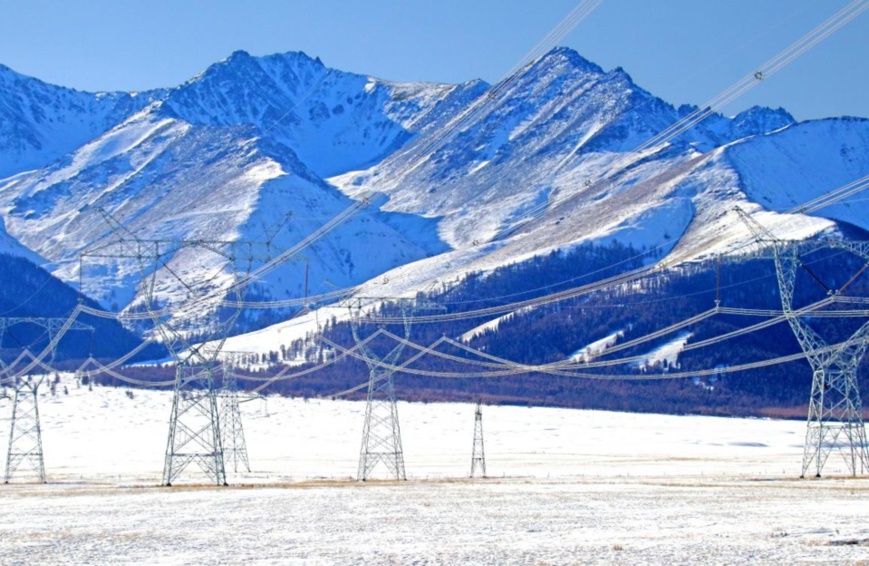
554 332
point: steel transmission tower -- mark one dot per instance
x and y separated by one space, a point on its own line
835 410
25 434
195 435
234 444
478 456
381 434
215 302
25 430
194 426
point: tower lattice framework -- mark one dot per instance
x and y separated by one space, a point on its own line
194 425
232 430
25 429
835 421
381 433
25 433
194 329
478 454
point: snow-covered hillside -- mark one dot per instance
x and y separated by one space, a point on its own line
544 160
11 246
40 122
164 178
334 121
546 139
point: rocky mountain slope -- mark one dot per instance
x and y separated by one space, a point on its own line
40 122
546 160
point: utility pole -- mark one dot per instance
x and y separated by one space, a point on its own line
835 420
478 455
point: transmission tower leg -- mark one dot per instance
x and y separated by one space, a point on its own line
381 434
194 427
812 453
835 419
25 433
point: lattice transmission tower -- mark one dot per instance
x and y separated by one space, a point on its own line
194 328
195 322
835 420
25 433
25 429
381 433
234 444
478 455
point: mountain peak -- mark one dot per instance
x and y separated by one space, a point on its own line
764 111
565 56
297 56
760 119
622 77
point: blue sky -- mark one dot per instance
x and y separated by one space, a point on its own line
681 50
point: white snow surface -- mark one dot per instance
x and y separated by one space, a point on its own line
488 326
11 246
668 352
596 348
167 179
40 122
564 486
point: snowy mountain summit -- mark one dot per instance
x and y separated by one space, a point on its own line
475 176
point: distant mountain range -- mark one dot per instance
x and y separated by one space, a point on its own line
542 161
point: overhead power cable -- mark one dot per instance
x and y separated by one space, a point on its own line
421 149
517 369
743 85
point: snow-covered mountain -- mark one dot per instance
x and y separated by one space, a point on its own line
214 159
550 163
164 178
334 121
11 247
40 122
547 159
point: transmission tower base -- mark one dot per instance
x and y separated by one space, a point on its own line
194 427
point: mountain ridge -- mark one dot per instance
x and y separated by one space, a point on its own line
544 160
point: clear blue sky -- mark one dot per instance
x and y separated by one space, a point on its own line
681 50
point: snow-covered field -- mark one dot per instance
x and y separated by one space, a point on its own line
567 487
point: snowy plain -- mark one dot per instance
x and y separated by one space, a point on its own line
565 487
